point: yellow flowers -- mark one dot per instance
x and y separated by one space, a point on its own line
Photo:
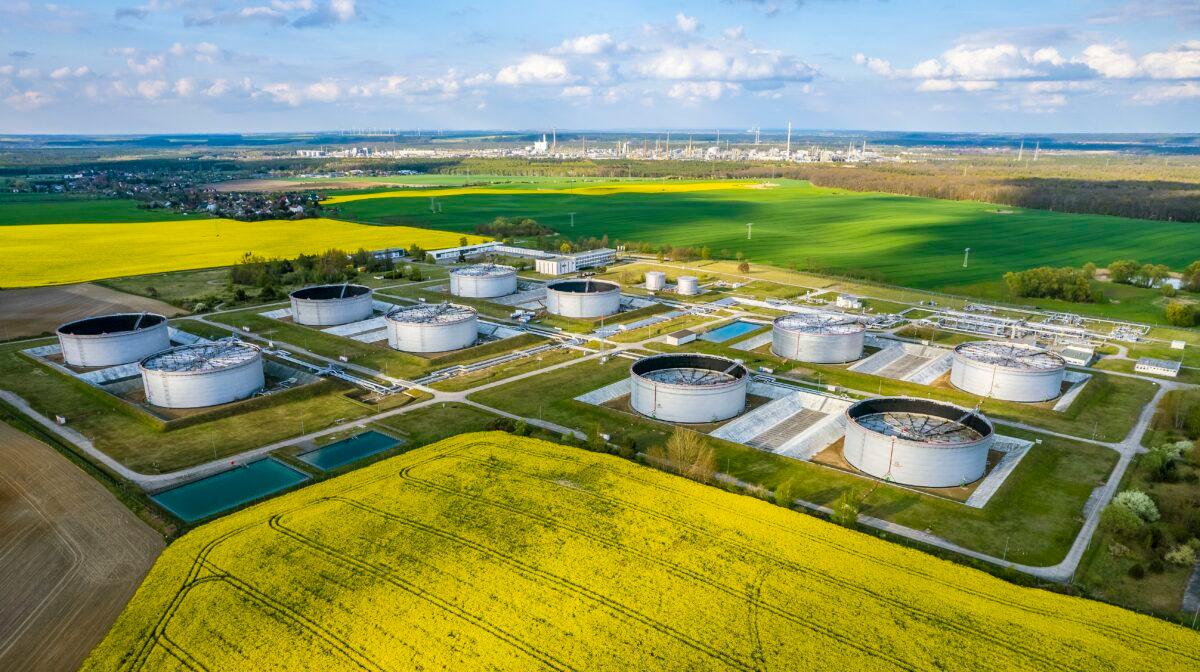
494 551
593 190
50 254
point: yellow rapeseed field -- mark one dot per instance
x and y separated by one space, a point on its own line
51 254
488 551
605 189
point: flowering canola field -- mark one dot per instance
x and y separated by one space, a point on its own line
499 552
52 254
603 189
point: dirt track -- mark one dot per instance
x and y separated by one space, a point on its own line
32 311
72 557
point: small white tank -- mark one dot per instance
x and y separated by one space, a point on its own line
483 281
687 285
655 280
583 298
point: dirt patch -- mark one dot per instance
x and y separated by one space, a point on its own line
36 310
73 556
289 185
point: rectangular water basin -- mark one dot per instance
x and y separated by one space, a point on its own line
349 450
729 331
229 489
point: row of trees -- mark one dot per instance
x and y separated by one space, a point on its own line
332 265
1046 282
512 227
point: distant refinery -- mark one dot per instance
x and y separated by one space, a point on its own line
747 146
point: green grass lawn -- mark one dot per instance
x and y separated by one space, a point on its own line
1035 513
914 242
59 209
507 370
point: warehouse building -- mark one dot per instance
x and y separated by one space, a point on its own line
564 264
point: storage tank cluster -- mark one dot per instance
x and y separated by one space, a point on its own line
434 327
202 374
111 340
483 281
690 388
818 338
687 285
917 442
655 280
330 305
583 298
1008 371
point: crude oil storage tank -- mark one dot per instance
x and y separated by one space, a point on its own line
687 285
202 374
917 441
655 280
483 281
329 305
433 327
688 387
1009 371
821 338
583 298
109 340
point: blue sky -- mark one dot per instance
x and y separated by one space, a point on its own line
135 66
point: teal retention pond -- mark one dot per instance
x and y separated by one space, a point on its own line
729 331
229 489
349 450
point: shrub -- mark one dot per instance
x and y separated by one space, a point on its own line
1120 520
1138 502
1157 566
785 493
1137 572
1181 314
1183 555
846 509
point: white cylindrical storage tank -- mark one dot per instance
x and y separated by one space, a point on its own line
583 298
483 281
202 374
434 327
917 442
329 305
1008 371
655 280
688 387
819 338
687 285
109 340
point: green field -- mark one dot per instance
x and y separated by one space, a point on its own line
914 242
18 209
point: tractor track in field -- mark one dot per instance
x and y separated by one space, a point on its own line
820 577
1112 631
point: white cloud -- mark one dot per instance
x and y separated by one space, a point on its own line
1166 93
712 64
597 43
1180 62
26 101
343 10
695 92
151 89
185 86
876 65
146 66
937 85
1109 62
535 69
61 73
687 24
577 91
218 88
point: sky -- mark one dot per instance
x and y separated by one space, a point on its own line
212 66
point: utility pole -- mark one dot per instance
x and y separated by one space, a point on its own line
572 219
966 256
749 229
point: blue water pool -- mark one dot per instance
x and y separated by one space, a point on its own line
348 450
729 331
229 489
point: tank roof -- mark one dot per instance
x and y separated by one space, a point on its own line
921 420
1016 356
330 292
199 357
484 270
588 286
689 369
431 313
820 323
116 323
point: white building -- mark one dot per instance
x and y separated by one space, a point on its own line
450 255
1078 355
563 264
680 337
1158 367
847 302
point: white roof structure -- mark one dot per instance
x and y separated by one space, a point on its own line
434 313
820 323
199 357
929 429
485 270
